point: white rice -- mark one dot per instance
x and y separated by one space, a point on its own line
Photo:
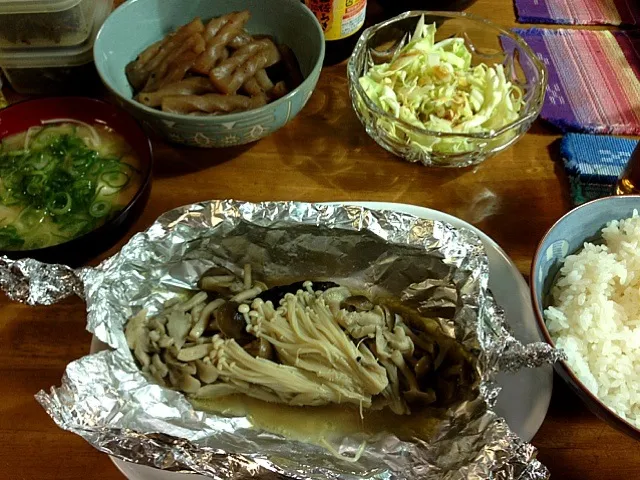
595 317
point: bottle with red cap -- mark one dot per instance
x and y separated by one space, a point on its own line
342 22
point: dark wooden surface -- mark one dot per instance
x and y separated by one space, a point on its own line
323 154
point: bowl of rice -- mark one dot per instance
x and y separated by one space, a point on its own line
585 285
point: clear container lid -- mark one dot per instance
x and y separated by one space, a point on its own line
38 29
36 6
60 56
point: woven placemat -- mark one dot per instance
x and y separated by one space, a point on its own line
594 79
593 163
579 12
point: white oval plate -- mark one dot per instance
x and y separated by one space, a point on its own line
525 396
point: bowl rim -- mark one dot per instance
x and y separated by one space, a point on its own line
614 417
213 119
489 135
140 193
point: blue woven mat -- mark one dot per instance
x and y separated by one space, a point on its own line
593 163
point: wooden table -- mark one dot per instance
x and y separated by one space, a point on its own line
323 154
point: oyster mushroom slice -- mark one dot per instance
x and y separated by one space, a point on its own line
417 397
142 356
184 382
426 344
357 303
158 323
155 376
196 352
207 373
159 366
361 324
197 310
424 366
398 340
165 341
174 364
172 302
136 331
178 326
215 390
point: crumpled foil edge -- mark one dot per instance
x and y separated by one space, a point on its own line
97 409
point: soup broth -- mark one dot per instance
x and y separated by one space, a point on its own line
62 180
326 423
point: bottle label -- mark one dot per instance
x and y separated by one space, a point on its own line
339 18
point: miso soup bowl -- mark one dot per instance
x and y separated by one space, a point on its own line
138 23
21 116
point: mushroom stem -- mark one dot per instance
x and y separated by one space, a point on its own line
190 354
247 294
203 318
192 302
211 283
247 276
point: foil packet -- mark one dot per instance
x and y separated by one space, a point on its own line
425 263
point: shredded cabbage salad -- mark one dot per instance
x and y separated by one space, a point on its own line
433 86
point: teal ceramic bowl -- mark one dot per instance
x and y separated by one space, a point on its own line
582 224
139 23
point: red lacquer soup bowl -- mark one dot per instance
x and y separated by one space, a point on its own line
21 116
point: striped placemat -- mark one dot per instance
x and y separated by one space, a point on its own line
579 12
593 163
594 79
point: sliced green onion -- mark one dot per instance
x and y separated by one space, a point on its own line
41 160
82 187
42 138
10 239
78 161
34 184
28 136
95 168
94 135
61 203
40 240
31 217
99 209
115 178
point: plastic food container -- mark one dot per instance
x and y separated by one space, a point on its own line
45 23
58 70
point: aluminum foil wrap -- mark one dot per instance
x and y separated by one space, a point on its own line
427 264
